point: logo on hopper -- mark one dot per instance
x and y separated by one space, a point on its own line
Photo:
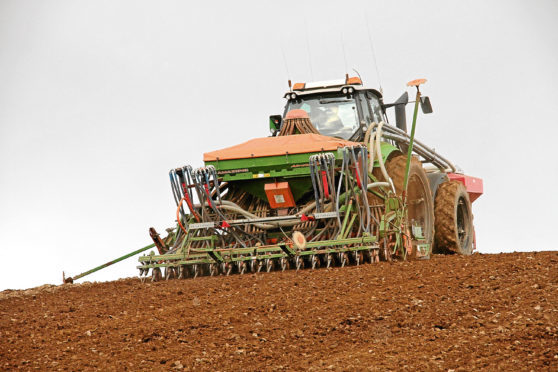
233 171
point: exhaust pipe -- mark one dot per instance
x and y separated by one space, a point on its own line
400 115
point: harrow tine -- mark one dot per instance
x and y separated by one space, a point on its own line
241 267
344 258
182 272
155 274
284 263
213 269
299 263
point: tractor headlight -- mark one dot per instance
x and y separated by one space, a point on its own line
351 90
293 96
345 90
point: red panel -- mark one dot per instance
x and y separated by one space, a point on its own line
472 184
279 195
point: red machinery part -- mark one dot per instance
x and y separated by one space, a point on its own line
279 195
473 185
325 185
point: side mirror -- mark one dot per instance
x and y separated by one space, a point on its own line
425 105
275 123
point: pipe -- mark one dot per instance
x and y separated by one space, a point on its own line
178 215
377 184
369 140
380 158
427 150
410 149
225 204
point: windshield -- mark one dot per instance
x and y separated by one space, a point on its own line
333 116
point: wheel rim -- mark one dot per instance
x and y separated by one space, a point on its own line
463 233
417 211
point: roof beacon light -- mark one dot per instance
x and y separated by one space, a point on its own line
298 86
354 81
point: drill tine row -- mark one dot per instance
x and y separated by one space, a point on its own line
255 264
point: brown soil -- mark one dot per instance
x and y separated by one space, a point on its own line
490 312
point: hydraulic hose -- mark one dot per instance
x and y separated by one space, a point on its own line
380 158
365 226
369 140
228 205
178 216
377 184
426 152
339 189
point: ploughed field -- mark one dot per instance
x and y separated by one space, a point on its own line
448 313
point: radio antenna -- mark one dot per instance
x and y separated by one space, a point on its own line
285 61
308 49
344 54
373 53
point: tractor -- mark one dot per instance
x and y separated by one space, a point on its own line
335 184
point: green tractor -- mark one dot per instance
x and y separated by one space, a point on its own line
335 184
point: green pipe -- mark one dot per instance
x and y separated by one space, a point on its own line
410 150
341 233
71 279
350 227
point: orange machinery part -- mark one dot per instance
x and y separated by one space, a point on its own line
273 146
279 195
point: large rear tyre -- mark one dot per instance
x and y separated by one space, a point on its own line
454 219
420 206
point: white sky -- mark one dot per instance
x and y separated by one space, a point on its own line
99 99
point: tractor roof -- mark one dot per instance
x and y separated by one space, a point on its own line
329 86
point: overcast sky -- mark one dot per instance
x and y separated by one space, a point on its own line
99 99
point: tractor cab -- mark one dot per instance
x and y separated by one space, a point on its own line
336 108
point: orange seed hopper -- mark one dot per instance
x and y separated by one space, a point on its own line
274 146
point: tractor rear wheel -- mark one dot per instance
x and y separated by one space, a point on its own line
454 219
420 206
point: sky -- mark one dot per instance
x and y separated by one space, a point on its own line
99 99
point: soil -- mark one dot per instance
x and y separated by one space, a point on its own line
485 312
